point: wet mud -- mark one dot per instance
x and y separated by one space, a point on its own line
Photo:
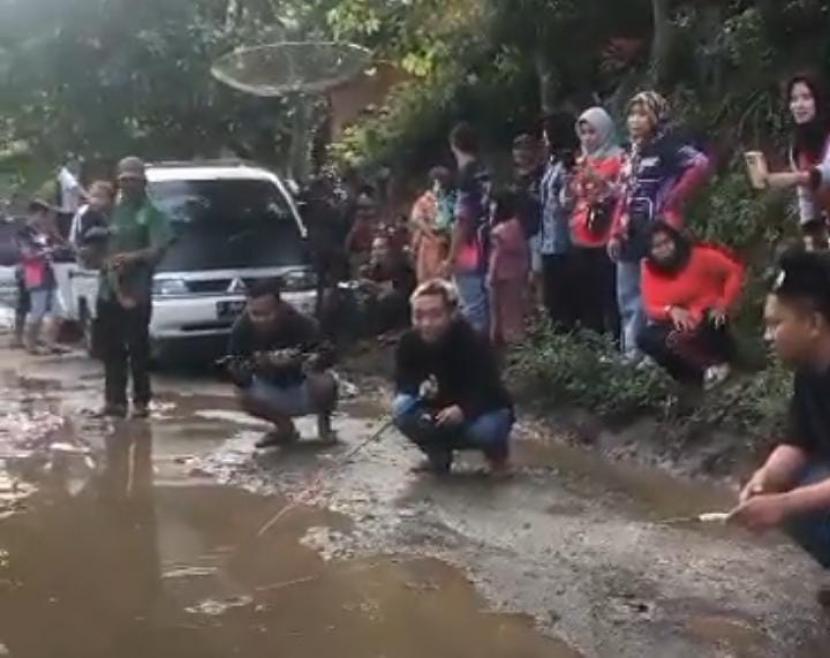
143 539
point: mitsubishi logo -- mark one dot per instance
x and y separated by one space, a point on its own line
237 286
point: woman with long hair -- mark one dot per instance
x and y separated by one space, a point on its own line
809 157
689 291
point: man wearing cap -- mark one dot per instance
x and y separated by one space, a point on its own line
140 233
792 489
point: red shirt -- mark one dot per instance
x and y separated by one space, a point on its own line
712 279
595 183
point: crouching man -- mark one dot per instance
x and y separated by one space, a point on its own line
449 393
792 489
280 366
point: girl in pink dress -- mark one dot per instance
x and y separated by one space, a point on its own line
507 274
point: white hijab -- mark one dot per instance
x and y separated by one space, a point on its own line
602 122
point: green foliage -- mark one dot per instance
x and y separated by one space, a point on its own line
584 370
753 406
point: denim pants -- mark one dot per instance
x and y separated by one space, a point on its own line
812 531
629 299
475 303
489 432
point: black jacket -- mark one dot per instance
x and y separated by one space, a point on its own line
295 331
464 364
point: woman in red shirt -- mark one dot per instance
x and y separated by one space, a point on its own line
688 292
595 188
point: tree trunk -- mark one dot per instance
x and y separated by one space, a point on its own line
301 137
662 41
548 83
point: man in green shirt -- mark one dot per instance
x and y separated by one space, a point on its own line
139 235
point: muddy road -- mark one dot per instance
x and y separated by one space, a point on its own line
140 539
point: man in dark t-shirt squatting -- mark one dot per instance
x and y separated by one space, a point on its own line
449 393
280 365
792 489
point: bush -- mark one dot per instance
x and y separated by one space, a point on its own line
584 370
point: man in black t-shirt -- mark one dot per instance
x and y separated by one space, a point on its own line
280 366
792 489
449 395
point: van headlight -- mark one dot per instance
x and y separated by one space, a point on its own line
169 287
298 280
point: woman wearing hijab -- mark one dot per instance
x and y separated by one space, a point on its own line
659 175
689 291
595 189
809 157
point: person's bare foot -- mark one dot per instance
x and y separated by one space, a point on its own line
112 411
500 469
325 432
141 410
823 598
278 437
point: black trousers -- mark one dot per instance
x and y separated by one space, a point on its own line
686 355
560 291
125 346
595 281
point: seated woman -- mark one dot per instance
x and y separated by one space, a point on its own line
688 291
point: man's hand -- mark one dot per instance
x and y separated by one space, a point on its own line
756 486
450 416
718 317
761 512
428 389
614 249
681 319
120 261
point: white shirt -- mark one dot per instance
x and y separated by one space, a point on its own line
71 192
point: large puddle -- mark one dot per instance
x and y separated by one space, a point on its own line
118 550
119 541
126 568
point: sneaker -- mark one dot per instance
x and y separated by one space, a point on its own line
276 438
434 464
716 375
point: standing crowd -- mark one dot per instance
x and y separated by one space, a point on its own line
589 232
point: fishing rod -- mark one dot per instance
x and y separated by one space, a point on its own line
318 478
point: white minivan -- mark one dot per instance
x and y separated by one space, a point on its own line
234 223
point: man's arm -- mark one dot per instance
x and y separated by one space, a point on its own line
779 473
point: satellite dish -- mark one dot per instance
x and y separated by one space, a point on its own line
291 67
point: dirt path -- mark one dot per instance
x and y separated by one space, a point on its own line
140 539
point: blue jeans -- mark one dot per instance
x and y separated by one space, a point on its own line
475 303
629 299
812 531
489 432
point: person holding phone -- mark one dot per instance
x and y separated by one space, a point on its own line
809 158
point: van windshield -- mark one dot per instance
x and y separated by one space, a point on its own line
228 224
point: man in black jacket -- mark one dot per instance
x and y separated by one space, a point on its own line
449 392
280 366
